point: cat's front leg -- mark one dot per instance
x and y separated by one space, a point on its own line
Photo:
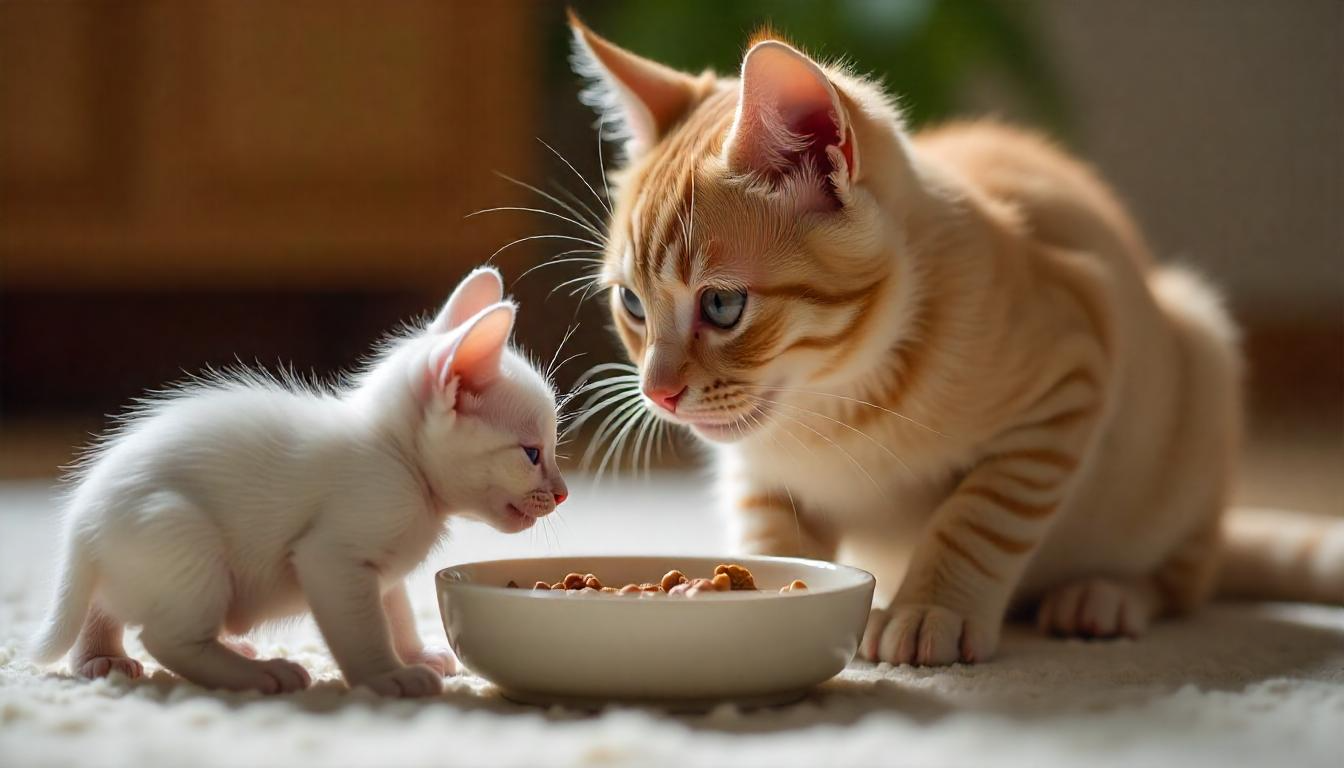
772 523
346 600
406 639
951 605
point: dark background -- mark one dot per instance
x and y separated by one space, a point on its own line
190 184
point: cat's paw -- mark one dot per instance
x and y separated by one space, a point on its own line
241 647
437 657
409 682
103 666
926 635
1097 608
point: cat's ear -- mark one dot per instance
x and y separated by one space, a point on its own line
791 121
478 290
473 355
640 97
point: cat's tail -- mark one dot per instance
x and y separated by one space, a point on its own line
70 606
1280 555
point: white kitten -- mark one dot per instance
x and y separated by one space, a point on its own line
242 500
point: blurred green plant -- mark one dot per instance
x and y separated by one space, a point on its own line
926 51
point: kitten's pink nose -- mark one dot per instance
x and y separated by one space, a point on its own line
560 496
666 397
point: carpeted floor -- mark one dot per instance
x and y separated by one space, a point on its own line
1237 685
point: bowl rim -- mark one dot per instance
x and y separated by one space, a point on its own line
443 580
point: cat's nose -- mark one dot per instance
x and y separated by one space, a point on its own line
560 496
666 397
560 492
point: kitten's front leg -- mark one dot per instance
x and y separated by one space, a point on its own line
345 598
406 640
951 605
771 523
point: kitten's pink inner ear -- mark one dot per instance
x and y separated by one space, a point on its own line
652 96
478 290
476 356
788 115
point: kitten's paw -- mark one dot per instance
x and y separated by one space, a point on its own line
926 635
281 676
410 682
437 657
1096 608
102 666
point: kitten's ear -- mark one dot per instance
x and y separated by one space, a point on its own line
642 97
477 291
475 352
791 117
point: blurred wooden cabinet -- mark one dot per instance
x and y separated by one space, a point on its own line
314 143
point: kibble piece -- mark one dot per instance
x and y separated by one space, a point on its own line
541 585
608 590
722 582
672 579
512 584
590 580
797 585
630 589
558 585
680 589
649 587
740 577
573 581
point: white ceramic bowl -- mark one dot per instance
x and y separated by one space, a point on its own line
751 647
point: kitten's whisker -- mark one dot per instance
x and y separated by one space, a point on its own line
576 173
595 220
542 211
601 164
855 400
550 367
586 280
850 427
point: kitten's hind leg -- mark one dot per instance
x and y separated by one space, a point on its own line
183 633
98 652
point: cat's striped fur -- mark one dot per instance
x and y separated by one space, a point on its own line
958 363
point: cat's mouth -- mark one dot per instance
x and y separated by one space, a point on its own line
717 429
515 519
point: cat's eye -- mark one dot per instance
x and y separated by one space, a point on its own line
630 300
533 454
722 308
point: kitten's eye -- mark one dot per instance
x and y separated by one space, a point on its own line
533 454
722 308
632 303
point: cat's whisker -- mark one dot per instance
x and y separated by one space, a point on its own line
586 280
550 367
575 199
543 212
797 523
628 402
618 444
618 398
601 163
838 422
530 238
596 196
592 218
854 400
556 261
835 445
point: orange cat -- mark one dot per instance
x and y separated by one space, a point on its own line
947 356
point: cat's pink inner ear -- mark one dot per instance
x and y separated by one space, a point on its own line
789 116
478 290
476 356
649 96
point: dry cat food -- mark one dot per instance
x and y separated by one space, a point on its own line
727 578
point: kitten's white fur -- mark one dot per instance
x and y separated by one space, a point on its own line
241 500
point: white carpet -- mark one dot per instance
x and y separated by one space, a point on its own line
1238 685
